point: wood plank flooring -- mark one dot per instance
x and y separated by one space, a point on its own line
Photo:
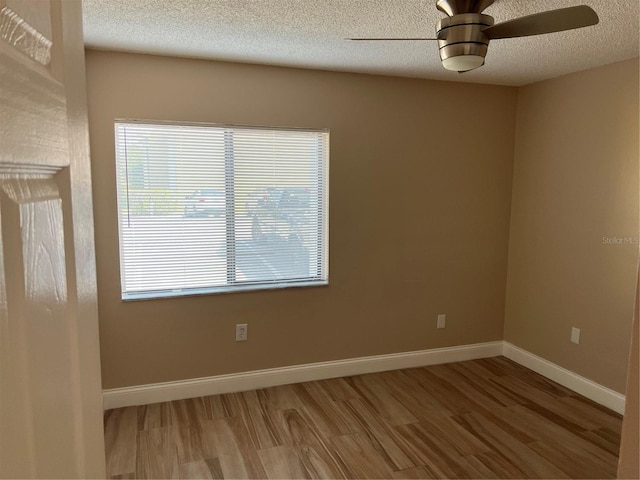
488 418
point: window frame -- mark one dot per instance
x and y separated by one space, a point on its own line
229 207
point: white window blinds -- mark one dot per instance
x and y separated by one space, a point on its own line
215 208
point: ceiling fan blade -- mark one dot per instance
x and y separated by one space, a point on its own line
544 22
390 39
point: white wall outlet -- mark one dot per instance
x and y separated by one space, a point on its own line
575 335
242 332
442 320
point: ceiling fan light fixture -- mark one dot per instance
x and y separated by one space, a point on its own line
463 63
461 41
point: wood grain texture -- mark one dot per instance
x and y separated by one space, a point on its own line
33 115
260 421
237 453
37 296
360 456
209 468
485 418
315 453
51 419
16 419
385 439
282 462
120 440
24 35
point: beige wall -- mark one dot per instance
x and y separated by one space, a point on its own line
419 217
575 182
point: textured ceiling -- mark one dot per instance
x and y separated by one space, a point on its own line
311 34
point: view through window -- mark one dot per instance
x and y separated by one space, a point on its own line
208 208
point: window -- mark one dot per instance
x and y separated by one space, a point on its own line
210 208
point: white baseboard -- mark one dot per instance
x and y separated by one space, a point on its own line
592 390
237 382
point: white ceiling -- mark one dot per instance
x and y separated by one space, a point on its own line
311 34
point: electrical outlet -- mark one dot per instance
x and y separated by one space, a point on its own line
242 332
575 335
442 320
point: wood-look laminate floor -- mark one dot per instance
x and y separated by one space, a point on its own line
487 418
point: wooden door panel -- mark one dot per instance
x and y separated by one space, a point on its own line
33 114
26 25
37 299
50 396
16 439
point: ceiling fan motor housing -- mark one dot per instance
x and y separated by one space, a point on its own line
455 7
463 45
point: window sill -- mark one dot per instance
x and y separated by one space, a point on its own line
132 297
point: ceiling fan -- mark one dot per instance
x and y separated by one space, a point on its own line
464 35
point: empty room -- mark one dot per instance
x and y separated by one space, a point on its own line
304 239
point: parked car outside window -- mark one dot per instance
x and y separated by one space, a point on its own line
205 202
279 218
278 211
